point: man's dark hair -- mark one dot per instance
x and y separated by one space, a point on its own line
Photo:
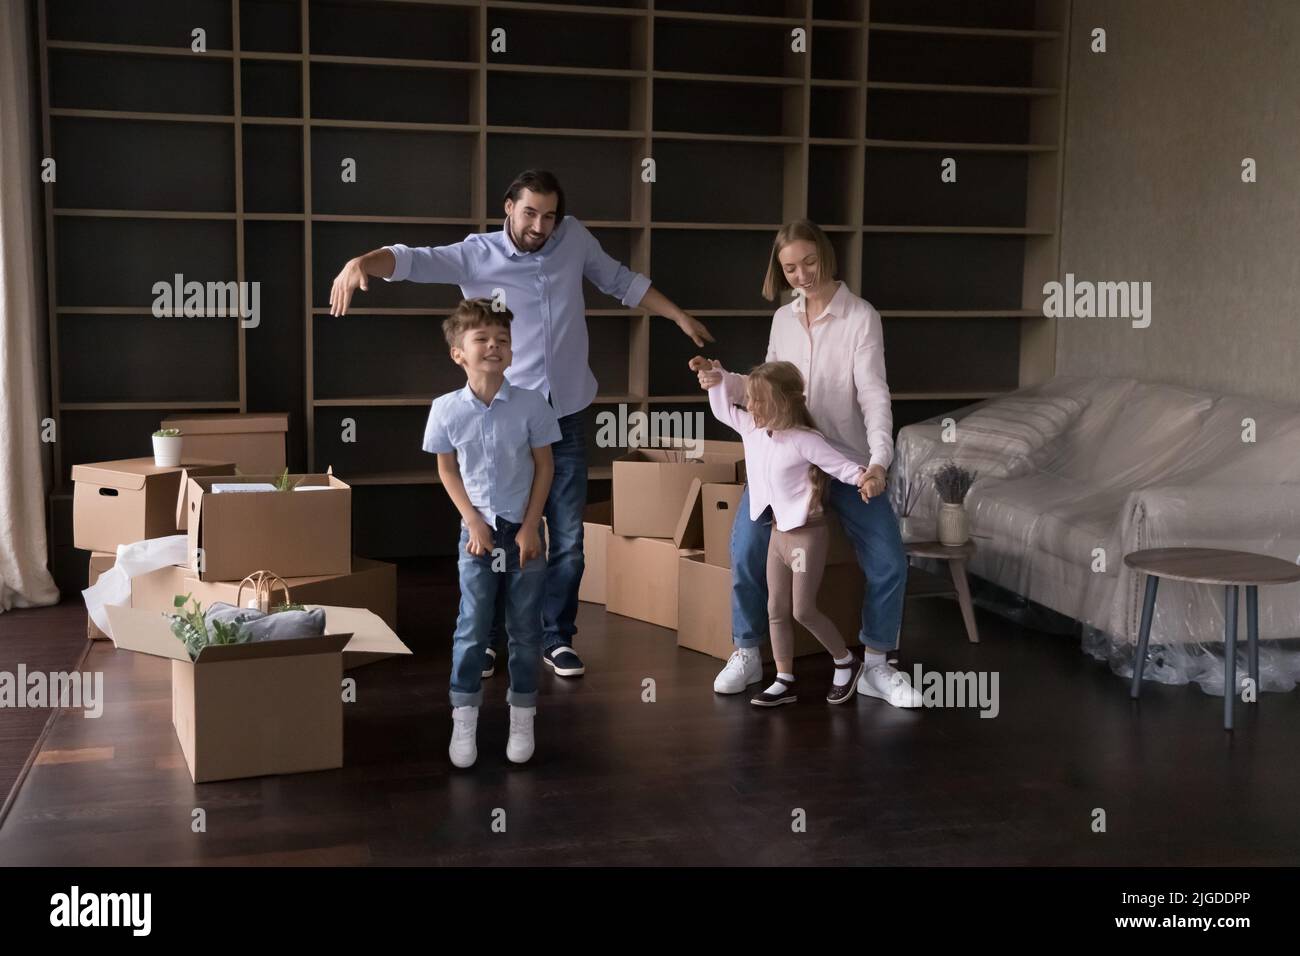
539 181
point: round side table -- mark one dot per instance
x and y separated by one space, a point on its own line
956 558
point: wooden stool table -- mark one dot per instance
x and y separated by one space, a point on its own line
932 585
1233 570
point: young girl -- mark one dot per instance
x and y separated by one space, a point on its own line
787 460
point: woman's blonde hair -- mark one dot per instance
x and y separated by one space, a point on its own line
781 387
775 282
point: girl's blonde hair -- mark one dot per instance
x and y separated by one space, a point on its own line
781 387
775 282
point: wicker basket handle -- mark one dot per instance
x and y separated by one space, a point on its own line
263 584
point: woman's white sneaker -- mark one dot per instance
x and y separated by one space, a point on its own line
463 749
887 683
744 667
520 745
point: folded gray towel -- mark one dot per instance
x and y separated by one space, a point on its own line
277 626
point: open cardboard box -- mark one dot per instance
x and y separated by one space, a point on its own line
650 484
371 585
122 502
306 531
254 441
247 710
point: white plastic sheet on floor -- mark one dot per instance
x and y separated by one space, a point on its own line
1076 473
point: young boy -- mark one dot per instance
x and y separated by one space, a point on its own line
493 442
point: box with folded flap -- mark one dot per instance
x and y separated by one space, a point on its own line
247 710
370 584
122 502
650 484
303 531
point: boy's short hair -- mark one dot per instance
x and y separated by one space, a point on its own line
474 314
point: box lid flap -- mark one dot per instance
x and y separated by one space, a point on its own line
111 475
370 635
145 632
218 424
690 526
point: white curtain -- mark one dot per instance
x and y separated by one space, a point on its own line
24 579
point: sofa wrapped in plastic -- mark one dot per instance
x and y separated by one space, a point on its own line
1075 473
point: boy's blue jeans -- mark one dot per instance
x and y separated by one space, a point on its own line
870 527
564 562
482 578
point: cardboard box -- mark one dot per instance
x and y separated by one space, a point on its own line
641 579
708 516
100 561
650 485
122 502
704 608
596 533
254 442
306 531
371 585
247 710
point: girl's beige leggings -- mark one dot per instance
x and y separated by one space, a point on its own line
795 562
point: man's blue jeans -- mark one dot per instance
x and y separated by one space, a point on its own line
484 577
564 562
872 530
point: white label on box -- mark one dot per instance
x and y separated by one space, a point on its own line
224 487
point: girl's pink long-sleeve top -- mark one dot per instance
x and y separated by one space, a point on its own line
776 463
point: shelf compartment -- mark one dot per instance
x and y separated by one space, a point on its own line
82 79
152 22
714 430
843 10
609 343
597 173
734 108
364 355
964 117
273 169
405 30
734 48
140 165
965 355
398 173
554 39
334 243
548 100
617 243
741 344
834 112
102 261
274 351
388 438
1006 14
140 358
712 269
718 182
270 88
904 186
748 8
836 54
111 434
832 184
346 91
270 26
907 271
931 58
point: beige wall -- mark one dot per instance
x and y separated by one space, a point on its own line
1157 128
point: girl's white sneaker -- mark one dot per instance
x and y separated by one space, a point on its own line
520 745
463 749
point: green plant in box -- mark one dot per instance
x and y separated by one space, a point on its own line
195 633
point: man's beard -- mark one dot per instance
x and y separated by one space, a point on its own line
519 245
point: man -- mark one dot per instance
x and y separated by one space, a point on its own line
536 263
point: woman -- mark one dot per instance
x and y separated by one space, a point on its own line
835 340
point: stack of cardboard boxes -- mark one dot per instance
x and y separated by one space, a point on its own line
242 710
661 550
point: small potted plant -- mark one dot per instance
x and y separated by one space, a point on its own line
167 447
953 482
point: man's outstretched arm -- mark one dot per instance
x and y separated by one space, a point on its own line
397 263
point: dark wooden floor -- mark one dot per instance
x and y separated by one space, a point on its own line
692 778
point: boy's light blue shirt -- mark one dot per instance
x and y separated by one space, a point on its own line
493 444
544 291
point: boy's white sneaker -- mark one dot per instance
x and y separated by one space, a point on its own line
520 745
744 667
887 683
463 749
